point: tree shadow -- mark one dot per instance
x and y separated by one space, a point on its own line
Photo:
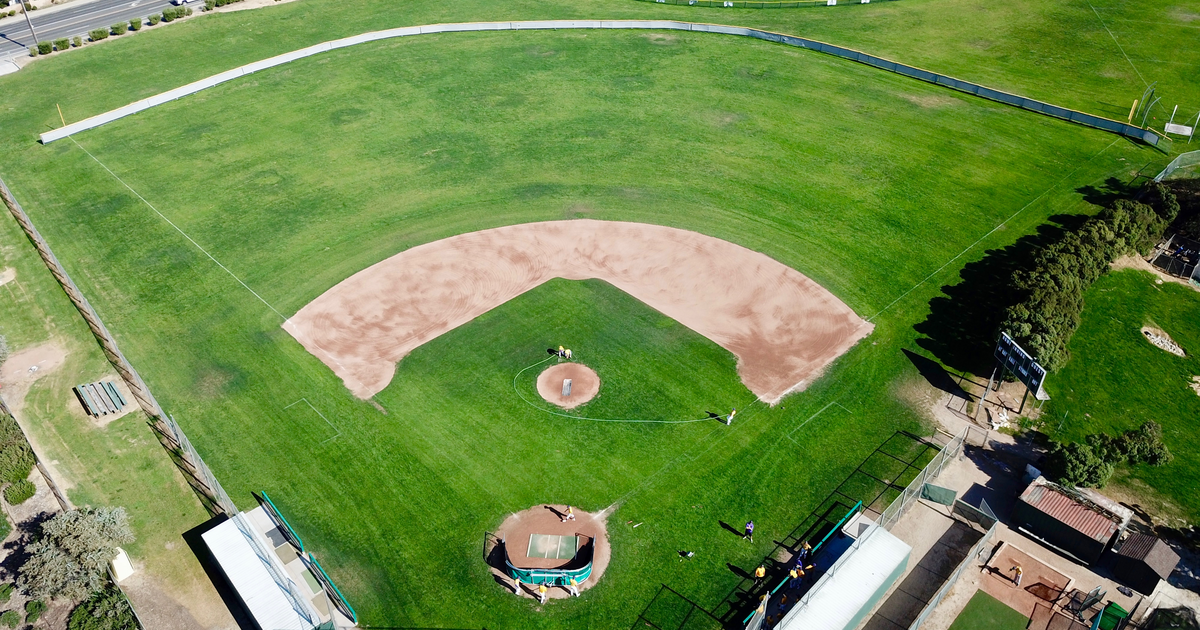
1112 190
963 323
936 375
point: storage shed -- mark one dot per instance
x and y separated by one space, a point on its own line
1067 519
1144 560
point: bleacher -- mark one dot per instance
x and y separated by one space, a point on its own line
100 398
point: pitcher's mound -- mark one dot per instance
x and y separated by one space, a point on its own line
583 387
538 538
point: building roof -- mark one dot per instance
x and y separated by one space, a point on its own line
1071 509
1157 554
259 577
839 596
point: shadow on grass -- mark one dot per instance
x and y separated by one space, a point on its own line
963 323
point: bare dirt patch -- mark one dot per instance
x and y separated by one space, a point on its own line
26 366
783 327
1136 262
1195 384
662 39
585 383
547 519
930 101
1041 583
7 275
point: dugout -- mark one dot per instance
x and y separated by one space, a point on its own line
1074 523
851 588
1142 561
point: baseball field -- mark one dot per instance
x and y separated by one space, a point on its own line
200 227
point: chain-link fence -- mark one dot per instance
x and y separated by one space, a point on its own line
894 512
200 477
962 566
1181 161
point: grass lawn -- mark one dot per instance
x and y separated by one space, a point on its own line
122 464
985 612
296 178
1116 379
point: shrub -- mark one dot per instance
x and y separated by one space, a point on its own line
153 19
135 24
45 48
98 34
76 41
62 43
33 610
171 14
105 610
70 557
16 461
19 492
1076 464
10 618
119 28
6 591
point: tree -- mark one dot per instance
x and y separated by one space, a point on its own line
70 557
105 610
1076 464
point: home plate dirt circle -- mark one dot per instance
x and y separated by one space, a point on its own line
539 538
584 384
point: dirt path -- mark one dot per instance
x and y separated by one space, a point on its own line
783 327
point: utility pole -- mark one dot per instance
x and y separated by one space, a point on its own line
25 10
986 391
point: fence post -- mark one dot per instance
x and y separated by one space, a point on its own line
192 464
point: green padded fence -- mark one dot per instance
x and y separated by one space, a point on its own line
551 577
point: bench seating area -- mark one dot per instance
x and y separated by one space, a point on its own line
100 399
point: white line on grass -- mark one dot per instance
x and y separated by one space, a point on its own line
177 229
1114 38
992 231
310 406
811 418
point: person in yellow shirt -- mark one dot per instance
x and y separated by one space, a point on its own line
542 593
574 588
759 574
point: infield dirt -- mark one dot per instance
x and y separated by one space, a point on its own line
783 327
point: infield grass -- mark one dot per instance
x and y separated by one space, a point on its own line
871 184
1117 379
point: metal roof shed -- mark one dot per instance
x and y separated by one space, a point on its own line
258 576
852 587
1067 520
1144 560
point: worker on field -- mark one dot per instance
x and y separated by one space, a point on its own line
574 588
749 535
542 593
569 515
1017 575
759 575
729 418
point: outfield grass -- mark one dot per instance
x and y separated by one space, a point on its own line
985 612
302 175
1116 379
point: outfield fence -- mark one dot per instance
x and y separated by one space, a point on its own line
200 477
1147 136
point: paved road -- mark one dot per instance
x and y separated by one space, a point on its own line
74 19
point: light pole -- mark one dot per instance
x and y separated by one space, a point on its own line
25 10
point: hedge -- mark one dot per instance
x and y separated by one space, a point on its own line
135 24
119 28
45 48
62 43
77 41
98 34
153 19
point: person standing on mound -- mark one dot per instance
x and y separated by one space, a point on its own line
569 516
